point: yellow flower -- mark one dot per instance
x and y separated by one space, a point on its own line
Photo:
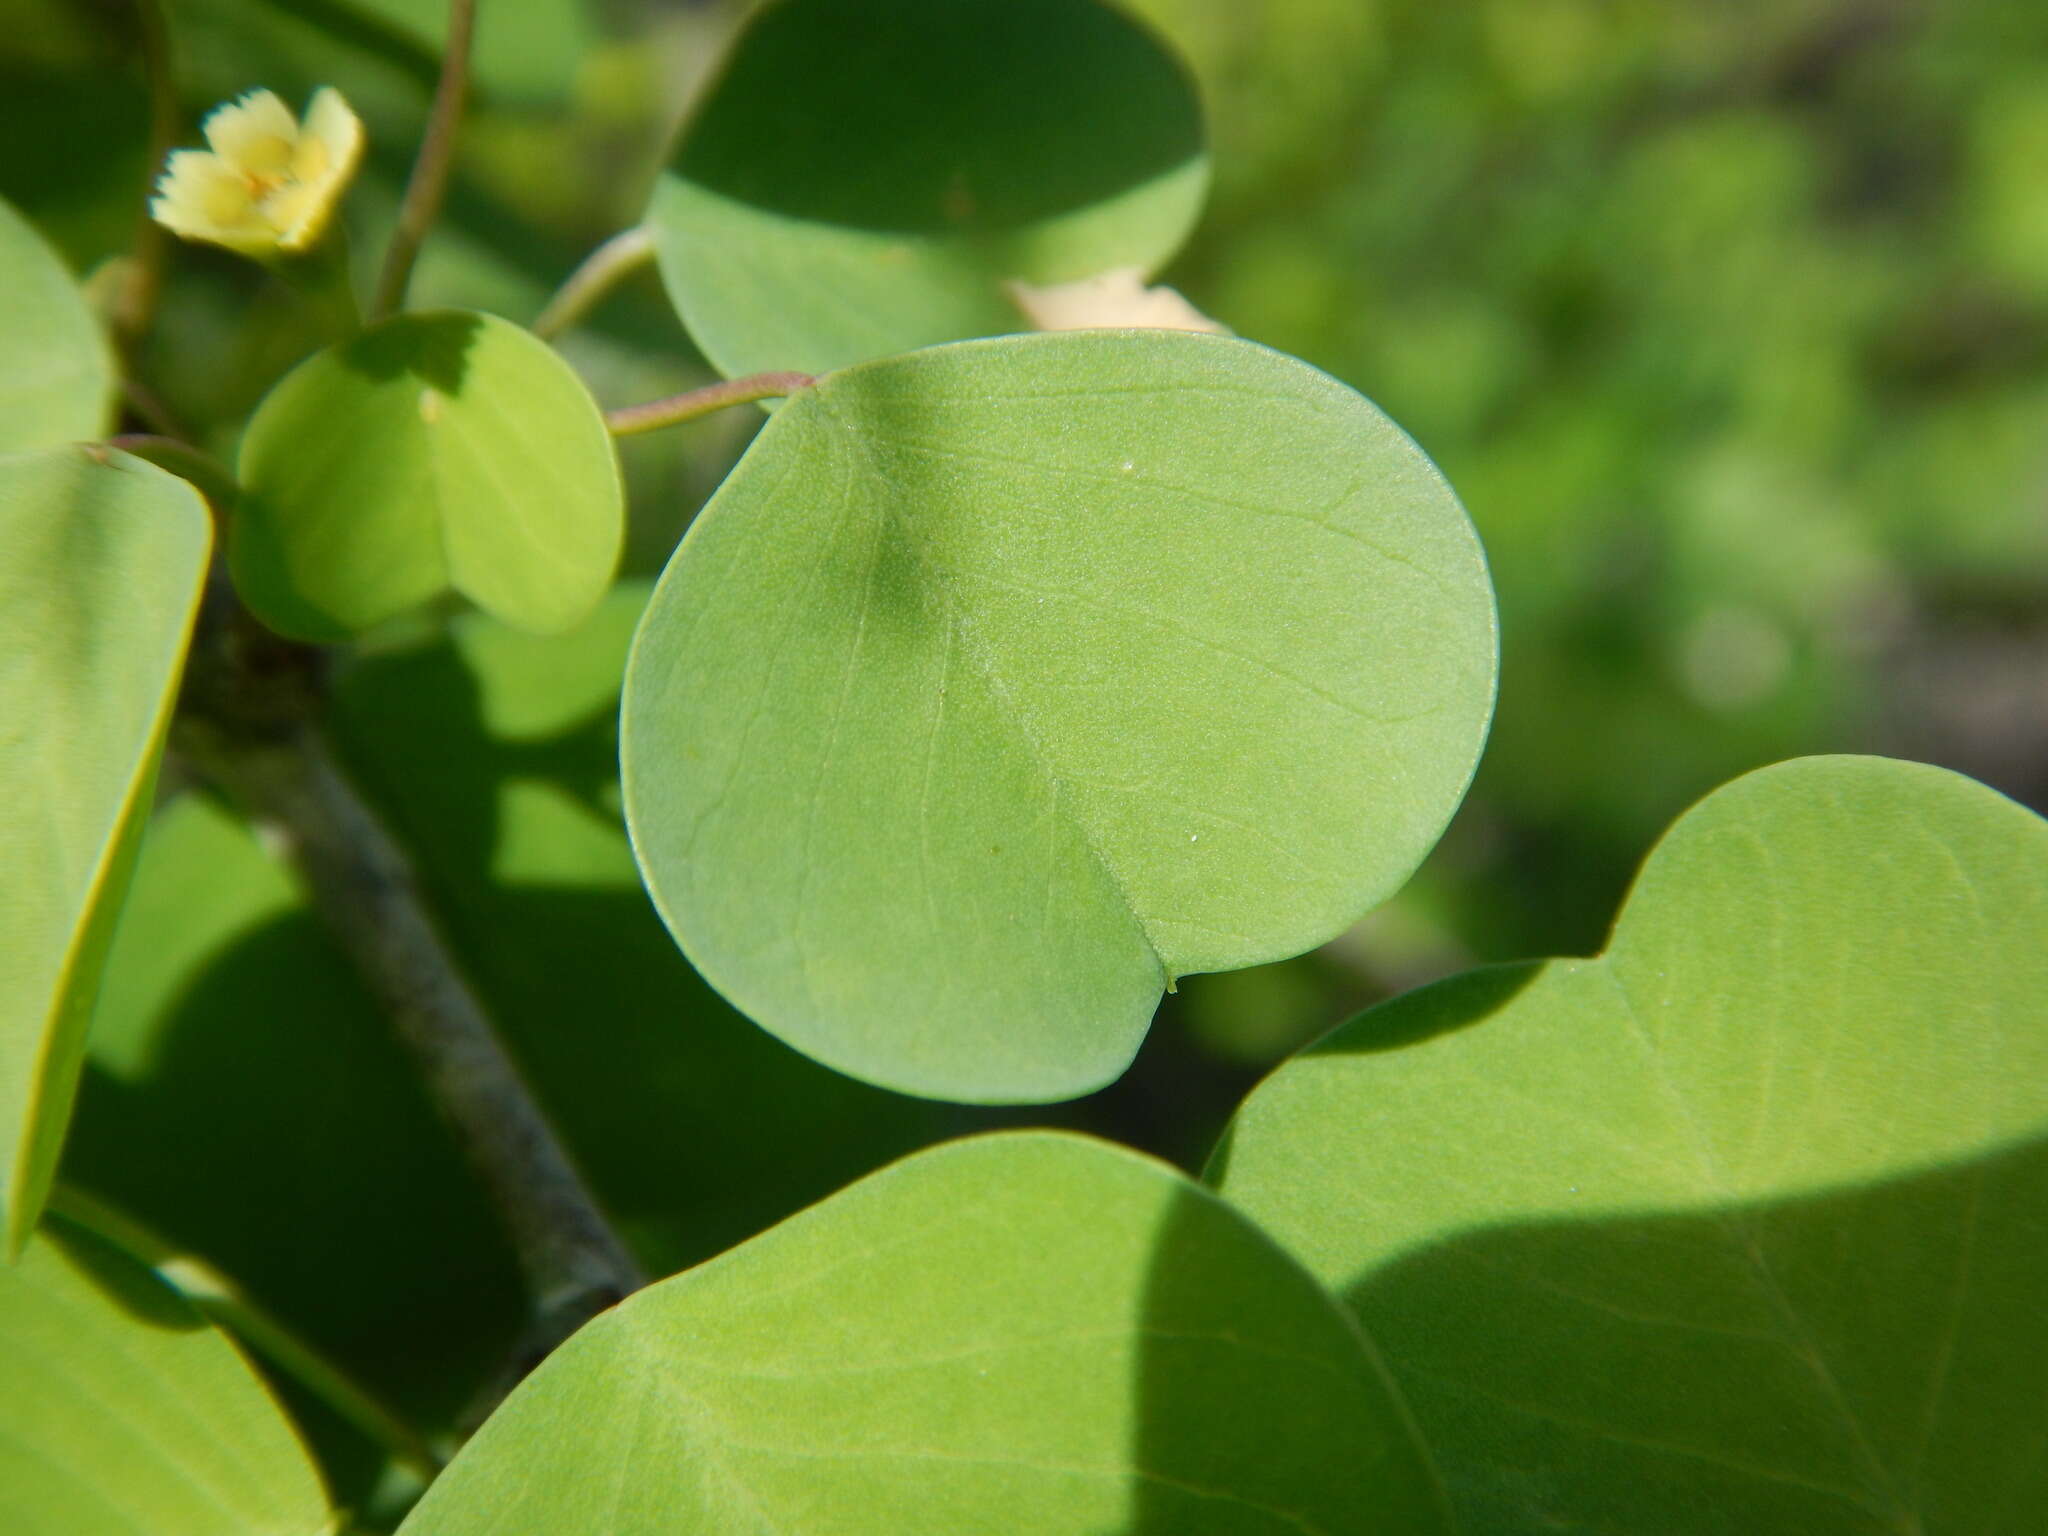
269 186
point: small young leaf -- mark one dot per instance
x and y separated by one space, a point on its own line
1005 682
125 1411
1737 1227
99 582
1017 1332
867 174
440 450
56 375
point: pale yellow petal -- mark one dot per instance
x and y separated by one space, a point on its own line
200 197
331 139
301 214
206 186
296 216
1113 300
330 148
248 238
256 134
310 162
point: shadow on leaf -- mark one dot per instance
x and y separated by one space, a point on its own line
1086 106
434 348
1865 1361
248 1104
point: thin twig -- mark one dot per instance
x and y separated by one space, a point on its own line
247 724
602 270
692 403
363 886
429 182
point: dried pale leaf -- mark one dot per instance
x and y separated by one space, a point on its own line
1113 300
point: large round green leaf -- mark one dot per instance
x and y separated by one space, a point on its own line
124 1411
867 174
450 449
1025 1332
56 375
1003 683
101 561
1738 1228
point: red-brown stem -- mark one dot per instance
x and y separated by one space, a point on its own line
692 403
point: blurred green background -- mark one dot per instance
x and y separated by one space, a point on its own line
1729 322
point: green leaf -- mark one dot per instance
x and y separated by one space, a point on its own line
1017 1332
125 1411
434 451
101 577
1737 1228
867 174
56 374
1003 683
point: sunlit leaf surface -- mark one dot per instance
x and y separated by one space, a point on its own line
1743 1226
1017 1332
1005 682
101 559
125 1411
435 451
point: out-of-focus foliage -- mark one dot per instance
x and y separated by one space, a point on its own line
1729 322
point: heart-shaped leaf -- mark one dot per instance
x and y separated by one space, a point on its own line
125 1411
104 557
434 451
1005 682
1017 1332
1739 1227
866 175
56 376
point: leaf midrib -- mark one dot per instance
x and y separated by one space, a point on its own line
1886 1501
1061 807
